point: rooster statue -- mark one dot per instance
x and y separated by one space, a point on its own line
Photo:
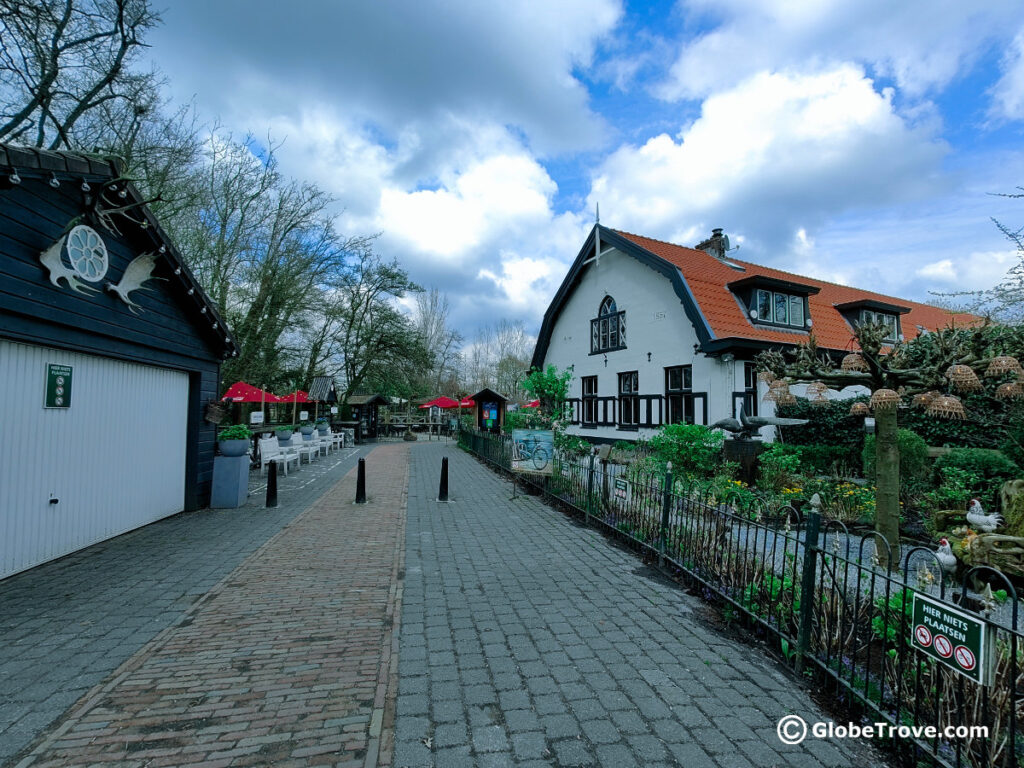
944 554
978 520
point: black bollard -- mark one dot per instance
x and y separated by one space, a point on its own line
361 483
272 485
442 493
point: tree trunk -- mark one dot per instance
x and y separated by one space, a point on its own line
887 479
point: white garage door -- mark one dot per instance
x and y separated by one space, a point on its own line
113 461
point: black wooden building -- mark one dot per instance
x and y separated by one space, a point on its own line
109 354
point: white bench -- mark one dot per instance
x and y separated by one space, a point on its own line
271 450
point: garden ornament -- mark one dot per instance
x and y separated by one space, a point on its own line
748 427
944 554
138 272
977 518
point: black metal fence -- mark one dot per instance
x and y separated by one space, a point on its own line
821 596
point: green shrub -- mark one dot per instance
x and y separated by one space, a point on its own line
829 424
989 468
955 489
235 432
777 468
913 456
693 449
835 460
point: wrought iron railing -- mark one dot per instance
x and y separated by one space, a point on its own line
821 596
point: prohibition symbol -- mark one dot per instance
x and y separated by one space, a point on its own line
943 647
965 657
923 635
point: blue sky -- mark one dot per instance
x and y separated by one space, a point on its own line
856 141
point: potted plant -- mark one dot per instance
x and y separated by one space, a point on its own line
322 426
284 433
306 428
234 440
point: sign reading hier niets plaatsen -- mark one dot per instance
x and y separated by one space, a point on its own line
962 642
58 386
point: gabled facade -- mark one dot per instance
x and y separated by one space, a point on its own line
657 333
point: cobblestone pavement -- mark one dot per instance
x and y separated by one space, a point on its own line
528 640
65 626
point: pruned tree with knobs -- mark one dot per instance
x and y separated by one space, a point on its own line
930 371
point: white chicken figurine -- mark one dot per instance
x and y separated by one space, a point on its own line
978 520
944 554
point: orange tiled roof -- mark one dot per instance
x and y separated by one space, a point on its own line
707 278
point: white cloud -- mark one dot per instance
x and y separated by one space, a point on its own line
773 155
920 44
976 271
1008 93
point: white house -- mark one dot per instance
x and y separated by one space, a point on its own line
657 333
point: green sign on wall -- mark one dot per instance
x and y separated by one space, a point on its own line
959 640
58 386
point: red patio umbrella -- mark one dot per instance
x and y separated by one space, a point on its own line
240 392
532 404
441 402
298 396
467 402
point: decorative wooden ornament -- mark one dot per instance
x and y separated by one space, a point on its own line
854 362
860 409
1001 364
766 376
882 399
963 378
946 407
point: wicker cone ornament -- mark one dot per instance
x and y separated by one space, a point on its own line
923 399
819 401
1011 390
947 407
1001 364
816 389
963 378
860 409
784 397
882 399
766 376
854 362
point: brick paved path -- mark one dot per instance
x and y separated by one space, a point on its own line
527 640
67 625
285 662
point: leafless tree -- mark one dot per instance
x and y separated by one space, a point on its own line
62 59
442 343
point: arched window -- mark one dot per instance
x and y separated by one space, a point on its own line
608 329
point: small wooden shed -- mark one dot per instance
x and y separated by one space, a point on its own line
364 410
490 410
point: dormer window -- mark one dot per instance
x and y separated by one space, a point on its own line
775 302
890 321
780 308
874 311
608 329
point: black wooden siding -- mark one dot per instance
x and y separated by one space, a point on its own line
169 331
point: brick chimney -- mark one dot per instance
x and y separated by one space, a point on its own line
716 245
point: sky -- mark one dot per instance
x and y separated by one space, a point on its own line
860 141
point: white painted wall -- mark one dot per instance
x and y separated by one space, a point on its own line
115 459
